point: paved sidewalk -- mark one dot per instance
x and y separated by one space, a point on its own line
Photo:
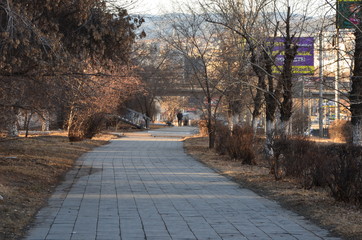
143 186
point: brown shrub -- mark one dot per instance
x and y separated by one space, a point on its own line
345 172
303 160
242 144
203 128
341 130
238 144
337 166
86 127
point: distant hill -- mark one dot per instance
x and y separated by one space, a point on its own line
154 24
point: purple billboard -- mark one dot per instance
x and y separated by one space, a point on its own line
304 60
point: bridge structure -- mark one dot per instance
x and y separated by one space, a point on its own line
304 92
141 121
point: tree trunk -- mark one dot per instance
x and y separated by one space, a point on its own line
258 99
233 114
284 128
291 48
210 127
230 120
60 116
12 125
211 132
212 137
70 123
25 119
254 124
269 141
236 118
13 130
271 95
45 125
258 103
355 95
357 133
285 114
27 123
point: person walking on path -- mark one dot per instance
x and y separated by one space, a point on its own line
179 119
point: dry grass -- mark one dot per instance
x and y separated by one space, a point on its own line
30 169
315 204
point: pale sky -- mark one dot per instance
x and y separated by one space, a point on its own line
163 6
155 6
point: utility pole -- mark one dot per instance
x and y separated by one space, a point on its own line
337 77
303 111
309 112
321 112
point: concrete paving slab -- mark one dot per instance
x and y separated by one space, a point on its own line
144 186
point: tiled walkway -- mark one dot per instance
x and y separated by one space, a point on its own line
145 187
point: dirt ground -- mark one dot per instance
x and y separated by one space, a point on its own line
315 204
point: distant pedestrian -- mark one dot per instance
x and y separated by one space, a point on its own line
179 119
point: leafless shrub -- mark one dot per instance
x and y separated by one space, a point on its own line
241 145
203 128
345 172
341 130
303 160
338 166
238 144
86 127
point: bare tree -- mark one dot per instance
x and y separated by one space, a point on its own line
232 66
196 41
242 18
159 68
259 24
67 45
355 96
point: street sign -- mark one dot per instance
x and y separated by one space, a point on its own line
349 13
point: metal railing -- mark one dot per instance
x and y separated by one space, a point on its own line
135 118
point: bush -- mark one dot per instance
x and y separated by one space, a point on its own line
302 159
194 123
203 128
86 127
337 166
241 145
341 130
345 172
238 144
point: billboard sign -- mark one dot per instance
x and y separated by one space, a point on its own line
304 60
349 13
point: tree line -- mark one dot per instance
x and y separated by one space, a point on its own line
77 61
230 47
65 58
